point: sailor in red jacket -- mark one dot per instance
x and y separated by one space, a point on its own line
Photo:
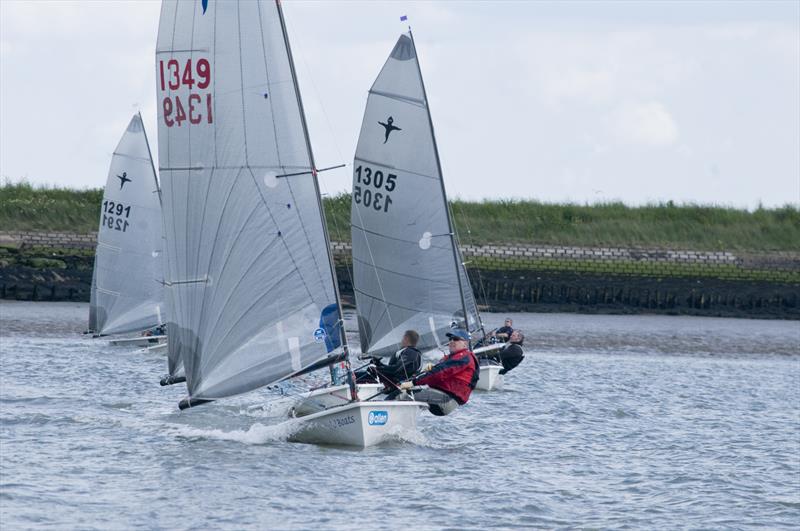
451 381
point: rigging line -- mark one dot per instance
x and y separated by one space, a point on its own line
322 106
415 310
405 170
413 243
454 244
310 172
482 289
212 254
239 273
333 135
172 249
320 206
372 260
267 75
195 298
250 308
401 274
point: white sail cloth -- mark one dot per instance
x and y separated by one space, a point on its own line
249 269
406 263
127 282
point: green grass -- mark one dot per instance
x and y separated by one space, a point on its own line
695 227
25 207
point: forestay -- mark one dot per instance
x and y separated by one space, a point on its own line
127 282
406 263
251 284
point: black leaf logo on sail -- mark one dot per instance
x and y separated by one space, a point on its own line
123 179
389 128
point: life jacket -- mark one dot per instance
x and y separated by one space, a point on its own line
477 374
457 374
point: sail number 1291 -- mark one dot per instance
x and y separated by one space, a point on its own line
379 199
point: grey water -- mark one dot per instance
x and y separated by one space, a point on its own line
610 422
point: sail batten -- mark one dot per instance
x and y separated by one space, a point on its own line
230 124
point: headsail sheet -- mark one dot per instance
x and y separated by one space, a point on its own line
249 270
127 282
405 266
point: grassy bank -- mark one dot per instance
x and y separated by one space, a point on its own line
25 207
703 228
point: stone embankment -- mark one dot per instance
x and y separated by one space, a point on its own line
58 266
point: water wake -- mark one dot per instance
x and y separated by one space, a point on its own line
254 435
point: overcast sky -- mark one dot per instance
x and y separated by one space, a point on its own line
555 101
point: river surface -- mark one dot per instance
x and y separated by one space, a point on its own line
610 422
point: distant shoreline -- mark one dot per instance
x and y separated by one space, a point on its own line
520 255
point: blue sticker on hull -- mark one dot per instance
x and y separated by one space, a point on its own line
378 418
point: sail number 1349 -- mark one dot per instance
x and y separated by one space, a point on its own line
377 198
194 108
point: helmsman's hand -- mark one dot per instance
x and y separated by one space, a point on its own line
405 386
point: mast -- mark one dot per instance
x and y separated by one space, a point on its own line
152 164
342 334
450 229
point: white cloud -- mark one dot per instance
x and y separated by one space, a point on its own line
648 124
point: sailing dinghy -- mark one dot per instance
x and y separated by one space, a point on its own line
252 290
407 267
127 294
490 377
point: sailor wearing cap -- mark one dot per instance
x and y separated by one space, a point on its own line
451 381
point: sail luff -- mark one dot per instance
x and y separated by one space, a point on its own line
342 334
456 258
150 155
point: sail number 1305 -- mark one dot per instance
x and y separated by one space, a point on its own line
379 198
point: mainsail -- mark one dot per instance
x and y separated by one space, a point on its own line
252 290
127 293
407 268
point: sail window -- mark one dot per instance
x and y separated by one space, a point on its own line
270 179
425 241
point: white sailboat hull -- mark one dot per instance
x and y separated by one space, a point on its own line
359 424
332 396
142 341
490 378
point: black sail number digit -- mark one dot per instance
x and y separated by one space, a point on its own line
391 180
379 199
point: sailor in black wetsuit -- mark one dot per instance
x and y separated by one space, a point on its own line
510 355
504 332
402 365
